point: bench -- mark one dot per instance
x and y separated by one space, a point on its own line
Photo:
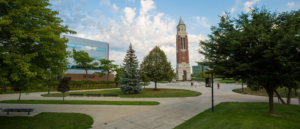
76 94
18 110
93 95
110 95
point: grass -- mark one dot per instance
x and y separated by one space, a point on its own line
144 84
195 79
162 82
245 116
48 121
229 81
281 92
9 91
146 93
81 102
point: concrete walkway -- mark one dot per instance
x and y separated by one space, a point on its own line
170 113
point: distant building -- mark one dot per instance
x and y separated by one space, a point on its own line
198 69
95 49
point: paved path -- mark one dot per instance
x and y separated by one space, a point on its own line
170 113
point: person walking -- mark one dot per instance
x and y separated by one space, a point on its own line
218 86
191 84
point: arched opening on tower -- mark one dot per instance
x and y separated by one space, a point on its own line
184 75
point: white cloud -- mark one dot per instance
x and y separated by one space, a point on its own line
115 8
146 6
290 4
248 4
105 2
144 30
129 14
202 21
232 10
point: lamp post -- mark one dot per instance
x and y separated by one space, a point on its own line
212 91
49 69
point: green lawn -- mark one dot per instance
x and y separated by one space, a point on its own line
48 121
281 92
195 79
245 116
229 81
146 93
44 89
81 102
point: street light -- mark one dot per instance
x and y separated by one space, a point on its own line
212 91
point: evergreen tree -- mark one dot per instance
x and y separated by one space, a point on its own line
156 67
130 82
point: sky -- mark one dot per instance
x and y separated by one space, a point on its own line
149 23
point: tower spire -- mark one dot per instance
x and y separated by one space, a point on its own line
180 21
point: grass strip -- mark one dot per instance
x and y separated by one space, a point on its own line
146 93
262 92
245 116
48 121
81 102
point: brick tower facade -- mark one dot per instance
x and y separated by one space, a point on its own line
183 69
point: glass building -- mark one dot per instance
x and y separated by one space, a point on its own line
95 49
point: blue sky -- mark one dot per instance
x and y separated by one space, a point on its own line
150 23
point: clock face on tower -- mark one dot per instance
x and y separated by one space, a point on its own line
182 53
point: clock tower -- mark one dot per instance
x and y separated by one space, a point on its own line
183 69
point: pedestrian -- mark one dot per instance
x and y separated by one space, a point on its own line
195 85
191 84
218 86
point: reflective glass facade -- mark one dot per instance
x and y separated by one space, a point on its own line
95 49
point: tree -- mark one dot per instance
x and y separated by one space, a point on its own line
156 67
252 46
30 42
130 81
63 87
83 59
119 73
144 77
107 67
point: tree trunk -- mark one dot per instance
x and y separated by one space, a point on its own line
63 97
107 75
295 92
87 77
282 101
288 98
155 85
242 87
270 91
20 95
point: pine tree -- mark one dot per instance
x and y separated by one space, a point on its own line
130 82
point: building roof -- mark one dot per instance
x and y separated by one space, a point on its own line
180 22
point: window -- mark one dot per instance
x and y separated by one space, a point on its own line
182 43
71 45
100 49
83 47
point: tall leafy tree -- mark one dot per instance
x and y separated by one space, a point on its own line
83 59
107 67
30 42
130 81
156 67
252 47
